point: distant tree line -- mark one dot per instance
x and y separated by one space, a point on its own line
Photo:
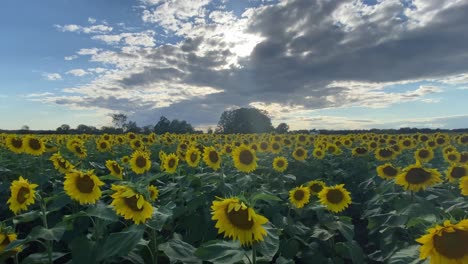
242 120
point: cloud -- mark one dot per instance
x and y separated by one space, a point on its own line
69 58
52 76
91 20
94 29
294 56
77 72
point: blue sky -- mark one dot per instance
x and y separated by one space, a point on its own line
309 63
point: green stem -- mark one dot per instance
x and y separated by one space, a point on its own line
254 255
46 226
155 245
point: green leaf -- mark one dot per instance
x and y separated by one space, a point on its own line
178 250
220 251
270 245
160 216
58 202
40 258
121 243
82 250
350 249
26 217
265 197
55 233
409 255
102 211
346 229
321 234
282 260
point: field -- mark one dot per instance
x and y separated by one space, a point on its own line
254 198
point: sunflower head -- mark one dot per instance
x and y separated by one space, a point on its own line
238 221
60 163
456 172
387 171
318 153
316 186
23 194
103 145
193 156
299 196
335 198
170 163
424 154
280 164
114 168
140 162
383 154
14 143
416 178
5 239
300 153
212 158
445 244
360 151
245 159
130 204
464 185
452 156
83 187
153 192
33 145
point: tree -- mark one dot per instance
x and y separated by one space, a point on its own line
175 126
119 120
282 128
63 129
244 120
25 128
131 126
162 126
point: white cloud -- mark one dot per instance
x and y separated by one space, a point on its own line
94 29
69 58
52 76
77 72
91 20
144 39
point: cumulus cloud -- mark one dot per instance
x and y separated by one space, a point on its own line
293 56
77 72
94 29
52 76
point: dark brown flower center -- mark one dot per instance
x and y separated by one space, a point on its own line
275 146
103 145
246 157
171 163
452 245
280 163
213 155
22 195
193 156
299 195
452 157
361 150
464 157
390 171
440 141
424 138
78 150
407 143
6 241
316 187
385 153
140 162
240 219
17 143
34 144
115 168
318 153
228 149
302 138
264 146
300 152
417 176
85 184
458 172
464 139
335 196
424 153
132 202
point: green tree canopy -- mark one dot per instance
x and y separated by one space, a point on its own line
244 120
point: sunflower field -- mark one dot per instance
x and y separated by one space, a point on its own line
251 198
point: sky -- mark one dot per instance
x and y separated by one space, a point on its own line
313 64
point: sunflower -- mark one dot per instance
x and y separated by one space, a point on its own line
22 195
333 149
335 198
14 143
300 154
60 163
79 150
464 185
212 158
463 140
5 239
383 154
387 171
238 221
264 146
130 204
193 156
453 156
83 187
244 158
445 244
406 143
318 153
280 164
275 147
316 186
415 177
114 168
424 154
299 196
33 145
136 144
227 149
170 163
125 159
360 151
103 145
154 192
140 162
456 172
